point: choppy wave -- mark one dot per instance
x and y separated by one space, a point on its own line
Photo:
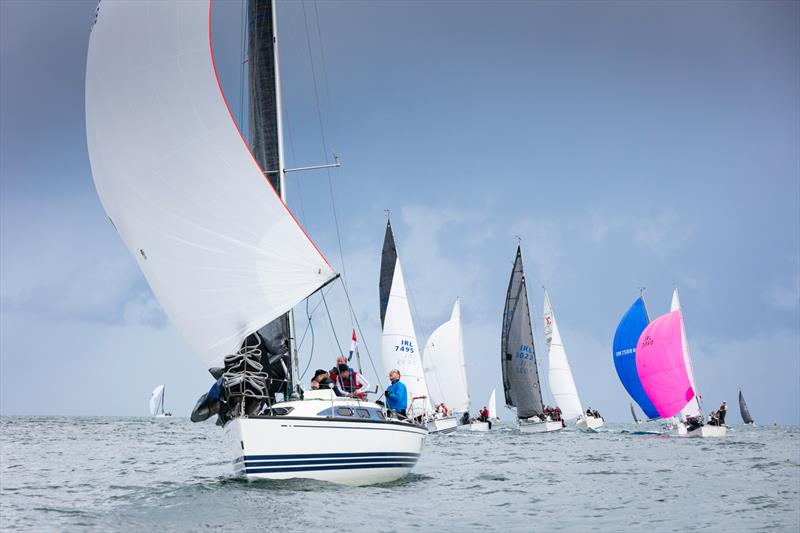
143 474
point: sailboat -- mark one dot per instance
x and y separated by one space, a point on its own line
626 337
693 408
633 414
157 403
562 384
518 358
664 367
206 220
399 347
744 411
478 425
445 372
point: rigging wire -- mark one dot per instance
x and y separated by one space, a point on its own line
311 355
333 329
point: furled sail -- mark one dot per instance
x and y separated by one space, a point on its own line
627 335
633 414
156 400
692 408
743 410
400 349
661 367
445 370
493 405
562 384
222 253
517 353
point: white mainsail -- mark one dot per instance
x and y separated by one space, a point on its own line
493 405
693 407
445 369
400 349
562 385
156 399
220 250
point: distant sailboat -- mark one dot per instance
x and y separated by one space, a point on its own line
562 384
633 414
400 348
157 402
445 372
744 411
518 358
630 328
663 370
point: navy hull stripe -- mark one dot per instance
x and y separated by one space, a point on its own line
324 456
250 464
331 467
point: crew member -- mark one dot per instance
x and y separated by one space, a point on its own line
396 394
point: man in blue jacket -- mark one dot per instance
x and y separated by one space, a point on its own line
396 394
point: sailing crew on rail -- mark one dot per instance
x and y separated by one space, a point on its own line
351 383
396 394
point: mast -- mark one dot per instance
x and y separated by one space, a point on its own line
265 123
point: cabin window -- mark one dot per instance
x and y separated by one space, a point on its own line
280 411
379 414
363 413
344 411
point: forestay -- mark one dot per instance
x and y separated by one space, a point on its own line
155 400
627 335
517 353
661 367
220 250
445 369
692 408
562 384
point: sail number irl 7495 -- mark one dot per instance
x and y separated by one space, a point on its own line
404 346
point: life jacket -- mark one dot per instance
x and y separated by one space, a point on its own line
351 384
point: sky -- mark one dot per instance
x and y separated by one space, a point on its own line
627 144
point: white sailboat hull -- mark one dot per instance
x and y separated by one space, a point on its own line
589 423
340 450
447 424
530 426
479 426
707 431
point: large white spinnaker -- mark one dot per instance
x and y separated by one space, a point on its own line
400 349
156 400
220 250
562 384
693 407
445 369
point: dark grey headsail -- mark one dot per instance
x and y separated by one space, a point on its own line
517 353
745 412
633 414
388 262
262 120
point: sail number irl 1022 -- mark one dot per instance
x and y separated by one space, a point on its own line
404 346
525 352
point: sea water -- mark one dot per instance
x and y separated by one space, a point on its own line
146 474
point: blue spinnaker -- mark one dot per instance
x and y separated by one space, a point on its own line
625 339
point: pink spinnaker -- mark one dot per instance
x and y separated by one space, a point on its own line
661 367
